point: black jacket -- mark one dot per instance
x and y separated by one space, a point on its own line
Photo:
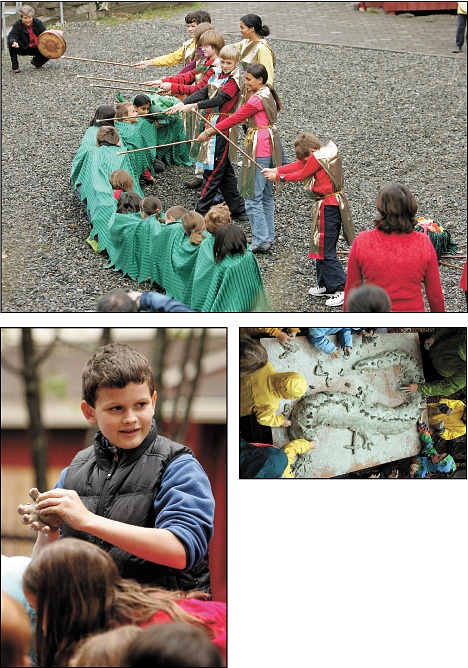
125 490
19 32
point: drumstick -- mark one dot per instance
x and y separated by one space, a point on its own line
229 140
89 60
133 83
121 88
174 143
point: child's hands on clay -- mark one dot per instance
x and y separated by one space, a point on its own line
67 504
286 423
313 445
347 351
47 522
283 337
428 343
335 353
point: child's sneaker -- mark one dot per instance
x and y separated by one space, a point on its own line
319 291
336 300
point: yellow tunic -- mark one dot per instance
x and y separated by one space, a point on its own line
454 427
185 55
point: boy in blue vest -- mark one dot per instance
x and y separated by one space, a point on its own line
141 497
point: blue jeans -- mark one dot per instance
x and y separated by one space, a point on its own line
461 28
260 209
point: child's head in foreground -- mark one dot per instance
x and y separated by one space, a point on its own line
305 144
118 395
175 213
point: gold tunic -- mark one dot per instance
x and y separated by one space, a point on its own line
248 170
249 54
329 159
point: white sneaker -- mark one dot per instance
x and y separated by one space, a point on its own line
336 300
319 292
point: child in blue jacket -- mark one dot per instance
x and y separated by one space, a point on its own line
318 338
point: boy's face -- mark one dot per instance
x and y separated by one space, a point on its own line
209 51
132 114
191 27
228 66
124 415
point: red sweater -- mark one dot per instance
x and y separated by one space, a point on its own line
212 613
185 83
301 169
398 263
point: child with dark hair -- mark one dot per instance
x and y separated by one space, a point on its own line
230 240
141 497
254 48
89 139
430 460
263 146
220 95
76 589
186 53
175 645
368 298
319 168
151 206
129 202
396 257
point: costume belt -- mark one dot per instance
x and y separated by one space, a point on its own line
338 192
251 132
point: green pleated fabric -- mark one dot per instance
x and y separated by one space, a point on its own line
442 241
120 248
96 190
88 142
172 128
237 287
149 135
179 267
203 273
146 244
162 248
132 139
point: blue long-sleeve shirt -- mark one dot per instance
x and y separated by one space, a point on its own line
184 506
318 337
154 302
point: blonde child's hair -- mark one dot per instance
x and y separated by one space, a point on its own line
216 217
105 649
176 212
193 224
230 52
122 109
120 179
107 134
305 143
213 38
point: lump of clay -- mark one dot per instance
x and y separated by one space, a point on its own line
43 518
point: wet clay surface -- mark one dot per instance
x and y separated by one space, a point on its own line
353 407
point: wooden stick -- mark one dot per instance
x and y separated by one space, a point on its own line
122 88
89 60
452 266
132 83
174 143
154 113
229 140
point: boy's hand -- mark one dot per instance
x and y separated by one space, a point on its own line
313 445
165 86
143 64
412 387
428 343
283 337
347 351
152 83
335 353
270 174
286 423
45 522
67 504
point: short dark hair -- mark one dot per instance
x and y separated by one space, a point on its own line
150 205
368 298
140 100
115 365
107 136
230 239
198 16
171 645
129 202
176 212
397 209
259 71
102 112
116 301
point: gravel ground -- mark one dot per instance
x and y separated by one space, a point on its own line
393 116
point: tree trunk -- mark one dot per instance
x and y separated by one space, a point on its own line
36 431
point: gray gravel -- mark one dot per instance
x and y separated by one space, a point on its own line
393 116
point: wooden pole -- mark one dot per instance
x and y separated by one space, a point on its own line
229 140
105 62
452 266
154 113
132 83
122 88
148 148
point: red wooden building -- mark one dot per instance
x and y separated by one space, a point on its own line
394 7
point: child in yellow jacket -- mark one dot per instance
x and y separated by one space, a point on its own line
277 332
447 418
293 448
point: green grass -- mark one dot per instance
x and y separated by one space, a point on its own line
121 17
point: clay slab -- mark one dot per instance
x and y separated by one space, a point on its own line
352 431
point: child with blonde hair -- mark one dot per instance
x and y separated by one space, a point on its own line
194 224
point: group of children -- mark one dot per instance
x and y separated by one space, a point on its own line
262 389
122 538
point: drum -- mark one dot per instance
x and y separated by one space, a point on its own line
51 43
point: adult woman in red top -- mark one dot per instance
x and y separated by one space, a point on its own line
22 39
395 257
